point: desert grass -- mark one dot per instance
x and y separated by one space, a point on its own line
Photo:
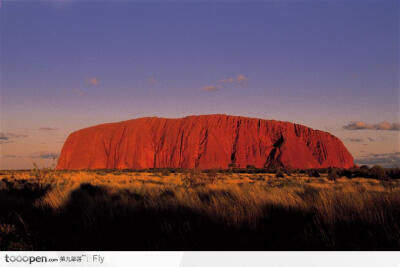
106 210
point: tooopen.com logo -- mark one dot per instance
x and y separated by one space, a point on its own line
27 259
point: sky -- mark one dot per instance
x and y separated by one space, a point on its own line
330 65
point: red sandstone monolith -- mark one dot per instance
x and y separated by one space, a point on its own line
204 142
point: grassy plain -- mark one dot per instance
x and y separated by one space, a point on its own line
115 210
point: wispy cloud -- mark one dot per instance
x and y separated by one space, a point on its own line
152 80
238 80
75 91
8 136
367 139
92 81
241 78
38 155
211 88
13 156
46 156
355 140
2 142
387 160
228 80
47 129
81 92
360 125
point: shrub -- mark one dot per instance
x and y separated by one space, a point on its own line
250 168
3 185
165 172
211 176
45 172
347 173
378 172
193 178
313 173
279 174
363 171
393 173
332 175
289 172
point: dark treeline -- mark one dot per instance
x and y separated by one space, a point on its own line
375 172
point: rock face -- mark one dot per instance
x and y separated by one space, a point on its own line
205 142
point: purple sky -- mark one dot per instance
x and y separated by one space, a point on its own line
325 64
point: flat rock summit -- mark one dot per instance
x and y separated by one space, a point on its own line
204 142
